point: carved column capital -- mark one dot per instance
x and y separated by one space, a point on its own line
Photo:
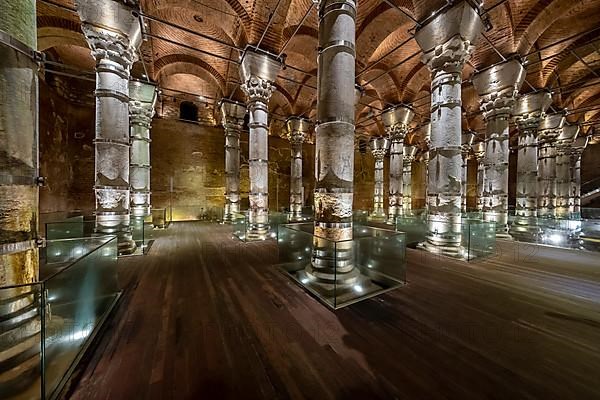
140 113
449 56
258 89
109 45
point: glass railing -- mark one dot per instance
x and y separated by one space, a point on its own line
195 213
142 233
360 217
340 273
159 218
69 228
47 325
240 224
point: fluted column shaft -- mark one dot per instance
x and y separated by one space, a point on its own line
334 147
526 202
19 168
141 110
576 152
114 50
564 146
232 118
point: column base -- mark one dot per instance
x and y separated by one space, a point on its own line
257 232
378 216
126 246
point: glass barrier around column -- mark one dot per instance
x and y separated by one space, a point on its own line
58 254
182 213
159 218
478 239
77 300
46 326
69 228
414 226
239 225
340 273
21 341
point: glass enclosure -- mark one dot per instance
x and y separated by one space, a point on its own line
47 325
373 262
159 218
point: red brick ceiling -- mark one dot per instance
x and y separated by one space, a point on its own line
188 62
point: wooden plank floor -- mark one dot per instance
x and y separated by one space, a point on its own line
207 317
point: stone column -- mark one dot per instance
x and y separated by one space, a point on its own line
396 120
497 87
447 43
479 152
563 169
529 110
334 148
465 151
576 151
232 119
19 206
258 71
409 153
142 100
297 131
113 36
549 130
379 147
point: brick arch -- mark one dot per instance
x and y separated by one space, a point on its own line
165 61
55 31
303 31
285 94
417 75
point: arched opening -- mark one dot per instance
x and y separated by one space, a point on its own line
188 111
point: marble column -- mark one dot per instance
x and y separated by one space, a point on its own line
529 111
232 119
577 149
113 36
409 155
379 148
497 87
297 131
563 169
142 100
479 152
396 121
549 130
19 206
447 43
258 71
332 269
465 152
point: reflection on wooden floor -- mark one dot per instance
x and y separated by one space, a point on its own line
208 317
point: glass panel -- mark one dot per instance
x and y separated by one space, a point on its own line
478 239
58 254
159 217
20 341
360 216
79 297
238 226
415 228
343 272
70 228
196 213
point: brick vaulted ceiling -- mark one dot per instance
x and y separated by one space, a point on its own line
193 46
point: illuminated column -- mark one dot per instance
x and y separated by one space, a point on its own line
465 151
232 118
447 43
114 36
379 147
142 99
497 87
19 206
334 147
258 71
529 110
563 169
297 131
549 130
479 153
576 151
409 153
396 121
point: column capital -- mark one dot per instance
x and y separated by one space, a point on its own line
579 145
297 129
447 40
478 150
258 71
111 28
498 86
566 138
396 121
379 147
530 109
466 143
409 153
232 114
551 127
142 100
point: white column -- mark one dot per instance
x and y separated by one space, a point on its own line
447 43
549 130
297 131
232 119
